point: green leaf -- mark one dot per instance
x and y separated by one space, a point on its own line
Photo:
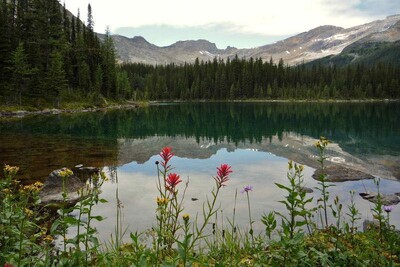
281 186
300 223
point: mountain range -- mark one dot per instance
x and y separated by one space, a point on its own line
330 43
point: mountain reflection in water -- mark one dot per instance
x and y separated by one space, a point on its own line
257 139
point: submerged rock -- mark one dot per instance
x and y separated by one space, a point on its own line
305 190
386 199
338 173
53 188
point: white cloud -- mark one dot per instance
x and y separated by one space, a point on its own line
269 17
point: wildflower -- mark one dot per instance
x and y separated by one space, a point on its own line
185 217
66 173
166 155
172 180
48 238
162 201
38 184
290 163
7 265
317 144
324 141
388 208
28 212
10 170
222 174
6 191
301 168
247 189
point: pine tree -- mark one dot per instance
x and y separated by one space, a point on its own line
5 42
108 66
56 80
21 72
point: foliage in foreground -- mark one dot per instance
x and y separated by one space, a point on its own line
321 234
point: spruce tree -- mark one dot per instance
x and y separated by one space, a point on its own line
56 80
21 72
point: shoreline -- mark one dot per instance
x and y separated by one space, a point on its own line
278 101
53 111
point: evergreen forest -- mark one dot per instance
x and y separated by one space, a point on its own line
49 57
254 79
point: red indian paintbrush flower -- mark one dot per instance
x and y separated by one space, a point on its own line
166 155
172 180
222 174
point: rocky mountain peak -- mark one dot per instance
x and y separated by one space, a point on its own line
196 45
316 43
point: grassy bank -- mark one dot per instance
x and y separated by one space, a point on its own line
312 232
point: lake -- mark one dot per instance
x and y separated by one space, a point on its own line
256 139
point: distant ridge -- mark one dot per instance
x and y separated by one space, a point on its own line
314 44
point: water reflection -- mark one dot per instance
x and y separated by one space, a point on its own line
262 170
368 131
257 139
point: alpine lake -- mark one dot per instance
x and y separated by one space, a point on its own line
256 139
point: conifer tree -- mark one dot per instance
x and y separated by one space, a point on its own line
56 80
21 72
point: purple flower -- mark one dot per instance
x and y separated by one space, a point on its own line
247 189
388 208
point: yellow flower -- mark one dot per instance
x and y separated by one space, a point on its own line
185 217
66 173
48 238
28 212
290 163
38 184
162 201
248 261
318 144
6 191
301 168
10 170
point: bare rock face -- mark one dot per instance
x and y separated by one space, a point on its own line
338 173
53 188
304 47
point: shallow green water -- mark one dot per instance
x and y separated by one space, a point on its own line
257 139
41 143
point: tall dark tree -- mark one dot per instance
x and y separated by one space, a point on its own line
21 72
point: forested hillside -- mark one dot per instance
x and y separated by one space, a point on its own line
48 56
255 79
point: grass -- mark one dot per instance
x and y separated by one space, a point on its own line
306 236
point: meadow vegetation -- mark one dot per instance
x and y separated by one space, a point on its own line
312 232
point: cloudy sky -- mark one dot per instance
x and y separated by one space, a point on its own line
243 24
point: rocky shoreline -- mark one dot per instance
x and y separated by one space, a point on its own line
54 111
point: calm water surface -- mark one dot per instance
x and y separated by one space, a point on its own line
256 139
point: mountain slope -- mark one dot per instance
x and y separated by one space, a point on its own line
307 46
367 53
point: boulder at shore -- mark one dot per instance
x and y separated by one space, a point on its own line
338 173
53 188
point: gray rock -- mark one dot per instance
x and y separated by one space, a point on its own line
53 189
370 225
85 173
386 199
338 173
305 190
